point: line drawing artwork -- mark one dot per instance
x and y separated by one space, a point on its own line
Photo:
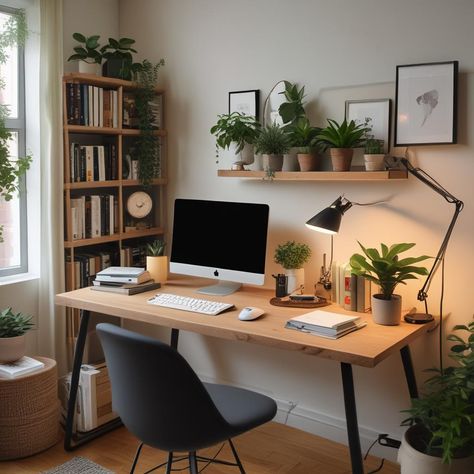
428 102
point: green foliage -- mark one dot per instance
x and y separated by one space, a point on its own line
87 50
446 409
303 135
14 324
156 248
385 269
373 146
148 144
14 33
292 254
235 128
122 50
273 140
344 135
293 109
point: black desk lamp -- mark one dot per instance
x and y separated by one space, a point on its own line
329 221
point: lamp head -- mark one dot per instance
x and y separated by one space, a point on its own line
328 220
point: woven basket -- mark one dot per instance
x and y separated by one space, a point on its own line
29 412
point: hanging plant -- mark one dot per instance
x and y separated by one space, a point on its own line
14 34
148 144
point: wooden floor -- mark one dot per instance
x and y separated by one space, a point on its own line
272 448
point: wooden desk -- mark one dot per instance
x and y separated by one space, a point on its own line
366 347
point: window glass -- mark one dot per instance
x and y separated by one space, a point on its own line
9 75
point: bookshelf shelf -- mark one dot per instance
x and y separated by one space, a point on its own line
142 233
93 184
135 182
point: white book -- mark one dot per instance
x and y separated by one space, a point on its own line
95 216
20 367
114 109
123 275
89 396
101 153
325 319
76 218
82 208
74 224
96 106
111 214
101 107
91 105
89 163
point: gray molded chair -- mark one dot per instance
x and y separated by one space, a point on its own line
161 400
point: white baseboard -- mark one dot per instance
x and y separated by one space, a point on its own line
320 424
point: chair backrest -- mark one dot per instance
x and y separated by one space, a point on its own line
157 394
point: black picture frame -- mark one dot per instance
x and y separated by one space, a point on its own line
426 104
245 102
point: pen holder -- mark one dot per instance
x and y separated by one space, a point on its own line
281 285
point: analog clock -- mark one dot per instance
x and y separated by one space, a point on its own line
139 204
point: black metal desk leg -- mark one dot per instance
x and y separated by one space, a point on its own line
409 372
174 338
76 370
351 419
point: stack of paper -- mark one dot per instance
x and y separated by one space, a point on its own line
325 323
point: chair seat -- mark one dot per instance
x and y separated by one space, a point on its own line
242 409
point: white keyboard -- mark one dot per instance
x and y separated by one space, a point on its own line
185 303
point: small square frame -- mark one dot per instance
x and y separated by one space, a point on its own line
245 102
379 110
426 104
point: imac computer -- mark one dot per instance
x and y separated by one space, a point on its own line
223 240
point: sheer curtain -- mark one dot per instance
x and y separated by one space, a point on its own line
52 335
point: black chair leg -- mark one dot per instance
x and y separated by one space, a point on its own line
237 460
193 465
169 464
137 455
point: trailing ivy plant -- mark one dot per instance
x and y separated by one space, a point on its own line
148 144
14 34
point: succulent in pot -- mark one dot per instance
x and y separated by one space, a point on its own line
157 261
272 142
342 138
386 270
303 136
13 327
292 256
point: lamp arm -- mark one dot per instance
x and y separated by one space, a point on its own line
435 186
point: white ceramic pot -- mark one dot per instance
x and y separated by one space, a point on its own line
387 312
89 68
230 159
12 348
374 162
257 164
295 278
413 461
158 268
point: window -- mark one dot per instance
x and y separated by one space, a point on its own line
13 249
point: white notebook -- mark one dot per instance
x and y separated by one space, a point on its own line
22 366
325 319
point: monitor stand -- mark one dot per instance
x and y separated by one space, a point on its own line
221 288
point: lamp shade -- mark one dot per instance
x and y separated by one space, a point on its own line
328 220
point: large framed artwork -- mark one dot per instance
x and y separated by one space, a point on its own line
245 102
426 104
378 110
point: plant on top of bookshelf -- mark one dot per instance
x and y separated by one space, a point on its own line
87 50
14 32
147 150
119 59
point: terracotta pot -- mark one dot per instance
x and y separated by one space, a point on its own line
341 158
272 162
387 312
374 162
158 268
12 348
413 461
308 161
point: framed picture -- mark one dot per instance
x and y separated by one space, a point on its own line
426 104
245 102
378 110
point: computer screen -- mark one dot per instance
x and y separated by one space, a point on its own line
222 240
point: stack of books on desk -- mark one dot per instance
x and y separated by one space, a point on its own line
125 288
326 324
124 280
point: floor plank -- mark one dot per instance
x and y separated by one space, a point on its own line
270 449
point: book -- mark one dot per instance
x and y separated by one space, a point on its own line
124 275
363 294
125 288
20 367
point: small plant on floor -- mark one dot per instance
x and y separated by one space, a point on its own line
292 255
14 324
156 248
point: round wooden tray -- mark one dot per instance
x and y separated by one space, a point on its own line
299 304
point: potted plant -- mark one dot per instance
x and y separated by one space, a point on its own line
440 439
157 261
342 139
374 156
272 142
292 256
118 58
293 109
238 131
303 136
386 270
87 54
13 327
11 170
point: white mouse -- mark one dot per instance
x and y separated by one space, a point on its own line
249 313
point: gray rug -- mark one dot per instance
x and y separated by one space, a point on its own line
78 465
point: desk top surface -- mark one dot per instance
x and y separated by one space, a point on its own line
365 347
